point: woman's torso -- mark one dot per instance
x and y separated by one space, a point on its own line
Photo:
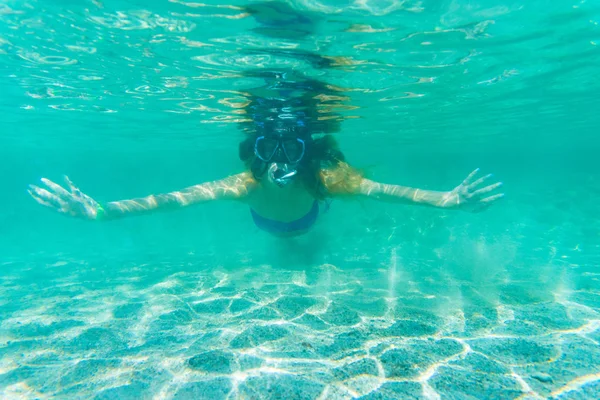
286 204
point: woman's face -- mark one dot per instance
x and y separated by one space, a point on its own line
282 152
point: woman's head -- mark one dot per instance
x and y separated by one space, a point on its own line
287 132
283 155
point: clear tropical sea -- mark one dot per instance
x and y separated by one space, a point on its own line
379 301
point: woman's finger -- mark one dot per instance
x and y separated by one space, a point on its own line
479 181
49 199
74 189
492 198
57 189
471 175
39 199
486 189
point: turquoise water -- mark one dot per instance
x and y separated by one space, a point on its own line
378 301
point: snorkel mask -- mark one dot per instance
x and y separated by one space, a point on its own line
283 153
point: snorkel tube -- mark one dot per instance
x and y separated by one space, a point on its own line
282 174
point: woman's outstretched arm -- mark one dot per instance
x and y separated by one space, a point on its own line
72 201
470 195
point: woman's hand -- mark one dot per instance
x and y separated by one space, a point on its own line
73 203
470 196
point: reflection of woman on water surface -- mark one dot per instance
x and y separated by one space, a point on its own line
293 165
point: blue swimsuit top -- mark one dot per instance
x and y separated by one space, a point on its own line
278 227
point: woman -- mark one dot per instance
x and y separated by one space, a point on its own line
293 165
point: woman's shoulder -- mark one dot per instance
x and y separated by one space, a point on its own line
340 179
